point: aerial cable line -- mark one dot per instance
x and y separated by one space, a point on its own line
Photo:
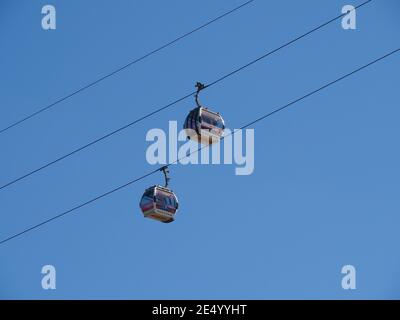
176 161
112 73
174 102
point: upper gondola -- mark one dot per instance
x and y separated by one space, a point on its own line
202 124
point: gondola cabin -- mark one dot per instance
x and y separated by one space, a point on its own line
159 203
204 126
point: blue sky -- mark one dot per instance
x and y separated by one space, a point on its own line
324 192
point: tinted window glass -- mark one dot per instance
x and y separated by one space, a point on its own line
165 201
213 119
147 201
149 193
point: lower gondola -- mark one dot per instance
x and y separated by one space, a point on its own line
160 203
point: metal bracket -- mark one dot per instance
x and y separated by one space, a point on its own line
165 170
200 86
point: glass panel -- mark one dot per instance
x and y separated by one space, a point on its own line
146 203
165 201
149 193
193 121
209 118
220 123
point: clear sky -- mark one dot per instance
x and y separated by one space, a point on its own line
324 193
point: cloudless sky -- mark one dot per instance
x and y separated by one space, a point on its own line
324 193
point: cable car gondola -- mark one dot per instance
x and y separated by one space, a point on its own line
159 203
203 125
